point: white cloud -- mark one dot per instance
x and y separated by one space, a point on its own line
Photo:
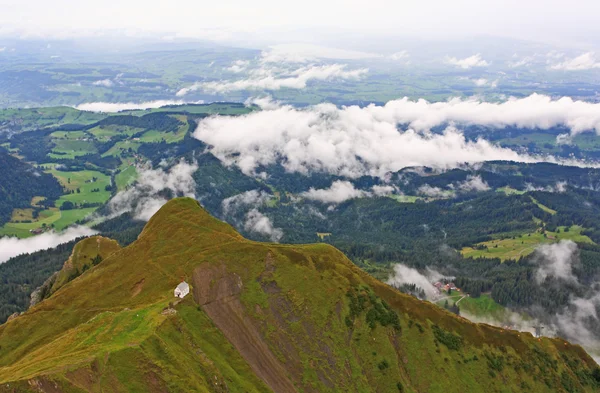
144 199
407 275
339 191
574 322
103 82
270 78
468 62
559 187
556 260
473 183
2 49
480 82
524 62
12 246
248 198
239 66
110 107
383 190
350 141
399 55
353 141
586 61
259 223
434 192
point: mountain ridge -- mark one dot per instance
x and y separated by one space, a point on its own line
261 317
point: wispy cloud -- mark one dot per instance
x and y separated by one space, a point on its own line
110 107
586 61
556 260
259 223
339 191
103 83
146 196
12 246
268 78
468 62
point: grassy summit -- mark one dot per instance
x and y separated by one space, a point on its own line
261 317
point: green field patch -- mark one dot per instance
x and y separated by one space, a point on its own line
154 136
36 118
46 218
106 132
69 149
22 215
74 135
83 186
122 147
35 201
127 176
518 246
543 207
510 191
405 198
482 306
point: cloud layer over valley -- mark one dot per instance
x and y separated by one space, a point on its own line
353 141
110 107
12 246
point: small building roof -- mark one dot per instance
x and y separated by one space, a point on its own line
183 285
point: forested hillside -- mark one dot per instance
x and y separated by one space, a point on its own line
20 183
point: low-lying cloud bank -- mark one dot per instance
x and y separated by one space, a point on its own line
353 141
273 78
111 107
147 195
12 246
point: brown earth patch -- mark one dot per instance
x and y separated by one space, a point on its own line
83 378
44 385
217 291
137 287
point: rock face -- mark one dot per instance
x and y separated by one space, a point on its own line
13 316
263 317
43 290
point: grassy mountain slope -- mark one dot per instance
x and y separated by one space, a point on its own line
261 317
86 254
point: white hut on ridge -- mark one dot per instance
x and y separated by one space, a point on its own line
182 290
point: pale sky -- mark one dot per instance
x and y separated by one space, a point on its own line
573 21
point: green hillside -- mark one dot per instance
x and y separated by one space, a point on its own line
261 317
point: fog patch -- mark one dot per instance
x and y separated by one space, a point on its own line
111 107
468 62
556 260
249 198
339 192
274 78
473 183
12 246
259 223
583 62
145 197
408 275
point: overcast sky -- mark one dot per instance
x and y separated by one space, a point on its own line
574 21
